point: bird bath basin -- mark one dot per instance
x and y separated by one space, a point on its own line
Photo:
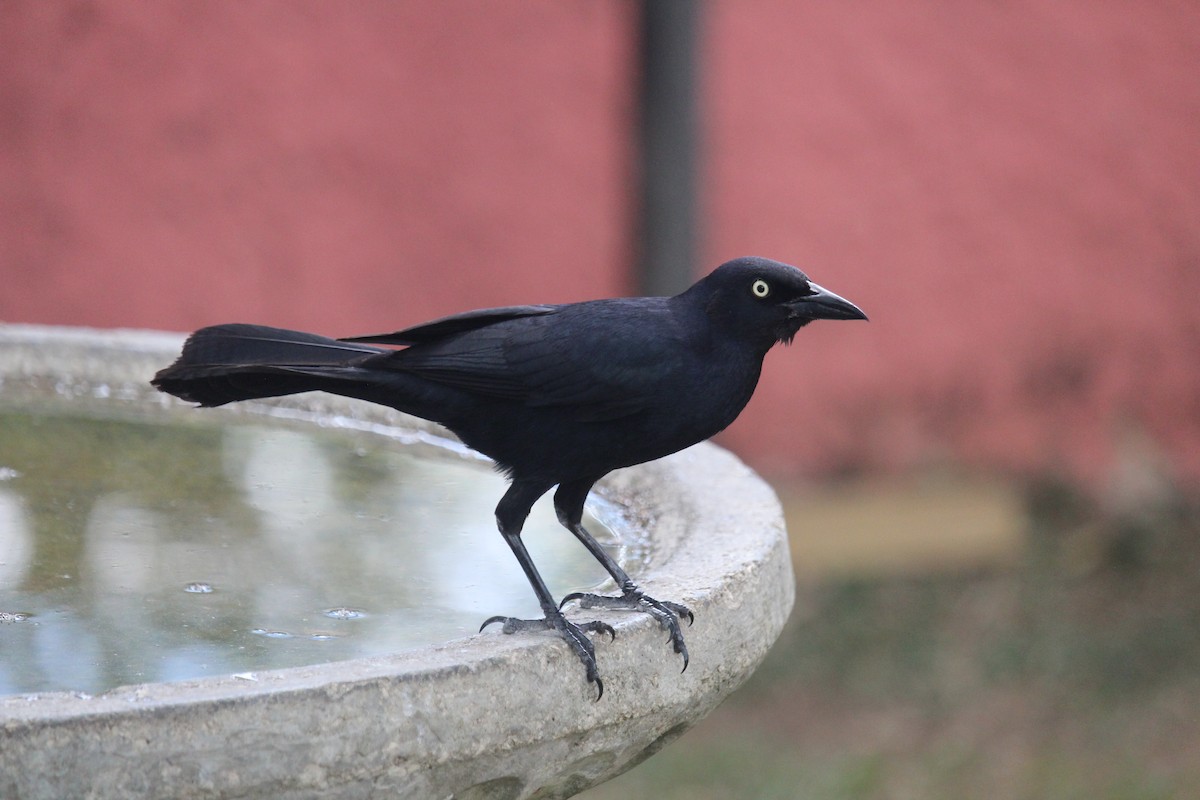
266 545
280 600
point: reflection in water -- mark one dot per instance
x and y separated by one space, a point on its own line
152 552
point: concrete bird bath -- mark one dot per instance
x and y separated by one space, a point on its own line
478 716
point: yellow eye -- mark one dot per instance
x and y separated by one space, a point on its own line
760 288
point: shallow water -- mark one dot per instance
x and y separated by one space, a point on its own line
135 552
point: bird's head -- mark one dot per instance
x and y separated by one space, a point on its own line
765 302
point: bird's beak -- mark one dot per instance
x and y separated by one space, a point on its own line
824 304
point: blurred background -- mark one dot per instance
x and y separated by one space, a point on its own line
990 488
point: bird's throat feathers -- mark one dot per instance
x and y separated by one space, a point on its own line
788 331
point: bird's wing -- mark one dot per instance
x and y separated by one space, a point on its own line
603 363
449 326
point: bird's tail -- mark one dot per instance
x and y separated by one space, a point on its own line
224 363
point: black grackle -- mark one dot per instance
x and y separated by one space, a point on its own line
556 395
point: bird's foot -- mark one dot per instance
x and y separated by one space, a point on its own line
668 614
574 634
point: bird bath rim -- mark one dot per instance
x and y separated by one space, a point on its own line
488 715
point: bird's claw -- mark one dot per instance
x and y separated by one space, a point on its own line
574 634
667 613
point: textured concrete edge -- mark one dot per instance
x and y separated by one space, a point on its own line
509 713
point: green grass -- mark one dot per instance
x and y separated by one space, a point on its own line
1074 674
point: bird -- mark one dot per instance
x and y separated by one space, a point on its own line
557 396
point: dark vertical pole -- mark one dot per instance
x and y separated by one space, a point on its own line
667 146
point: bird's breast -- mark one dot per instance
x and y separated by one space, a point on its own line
706 397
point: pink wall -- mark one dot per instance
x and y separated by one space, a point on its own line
1011 191
344 167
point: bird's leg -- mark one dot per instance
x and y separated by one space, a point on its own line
510 517
568 504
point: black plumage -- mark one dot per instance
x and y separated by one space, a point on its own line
557 395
